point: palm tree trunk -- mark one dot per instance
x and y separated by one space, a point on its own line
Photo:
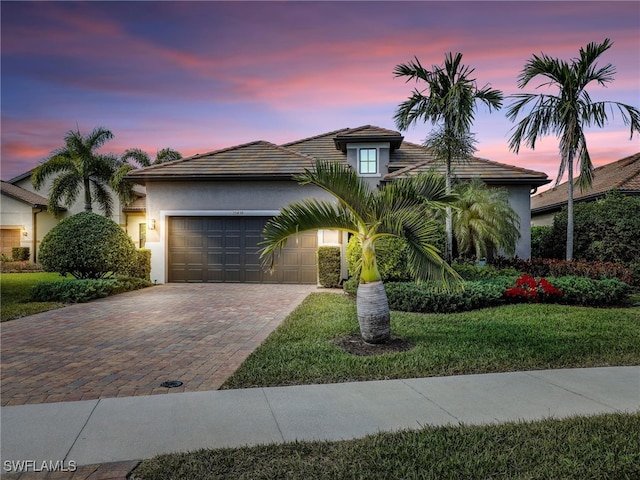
448 221
87 194
373 312
570 224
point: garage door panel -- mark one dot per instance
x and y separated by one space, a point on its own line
226 249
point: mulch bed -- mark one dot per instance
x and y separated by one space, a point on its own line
355 345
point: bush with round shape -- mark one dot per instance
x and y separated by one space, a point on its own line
87 245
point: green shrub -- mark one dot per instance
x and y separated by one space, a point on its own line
422 298
141 265
590 292
543 243
350 286
605 230
545 267
329 266
475 272
20 254
391 257
87 245
80 291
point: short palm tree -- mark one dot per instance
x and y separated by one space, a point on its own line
402 209
77 167
484 221
566 113
449 102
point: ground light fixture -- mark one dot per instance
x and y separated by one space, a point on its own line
171 384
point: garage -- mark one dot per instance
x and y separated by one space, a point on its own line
225 250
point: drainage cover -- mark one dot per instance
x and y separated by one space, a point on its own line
171 384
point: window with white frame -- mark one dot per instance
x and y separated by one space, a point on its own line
368 161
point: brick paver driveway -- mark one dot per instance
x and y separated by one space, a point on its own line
130 343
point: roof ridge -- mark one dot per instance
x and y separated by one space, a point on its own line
315 137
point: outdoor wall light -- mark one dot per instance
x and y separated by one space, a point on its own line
151 225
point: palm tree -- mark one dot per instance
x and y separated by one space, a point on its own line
142 158
449 102
567 113
79 168
402 209
483 220
122 186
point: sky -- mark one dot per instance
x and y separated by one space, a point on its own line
200 76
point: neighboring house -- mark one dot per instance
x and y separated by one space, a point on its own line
623 175
24 208
205 213
25 219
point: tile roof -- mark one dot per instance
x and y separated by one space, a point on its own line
250 160
138 205
488 171
23 195
368 133
623 175
263 159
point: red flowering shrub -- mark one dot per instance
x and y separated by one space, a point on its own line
528 289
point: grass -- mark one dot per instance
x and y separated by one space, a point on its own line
604 446
15 291
507 338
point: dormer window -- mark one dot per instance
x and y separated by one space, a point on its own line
368 161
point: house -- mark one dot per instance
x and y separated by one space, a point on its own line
205 213
622 175
25 220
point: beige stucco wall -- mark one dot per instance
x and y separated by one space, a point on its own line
18 214
542 220
241 198
520 201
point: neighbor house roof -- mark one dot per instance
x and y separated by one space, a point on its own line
622 175
254 160
488 171
265 160
32 199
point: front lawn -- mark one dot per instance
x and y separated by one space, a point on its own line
604 446
506 338
16 292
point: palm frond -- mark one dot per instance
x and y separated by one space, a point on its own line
306 215
102 197
138 156
59 161
342 183
64 190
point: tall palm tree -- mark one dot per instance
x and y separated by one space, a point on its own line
484 220
142 158
79 168
449 101
402 209
567 113
122 186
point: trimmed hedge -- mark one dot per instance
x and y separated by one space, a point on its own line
589 292
422 298
81 291
20 254
141 265
329 266
547 267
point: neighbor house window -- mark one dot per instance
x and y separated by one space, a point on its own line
368 160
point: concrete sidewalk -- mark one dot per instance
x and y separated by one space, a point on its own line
132 428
